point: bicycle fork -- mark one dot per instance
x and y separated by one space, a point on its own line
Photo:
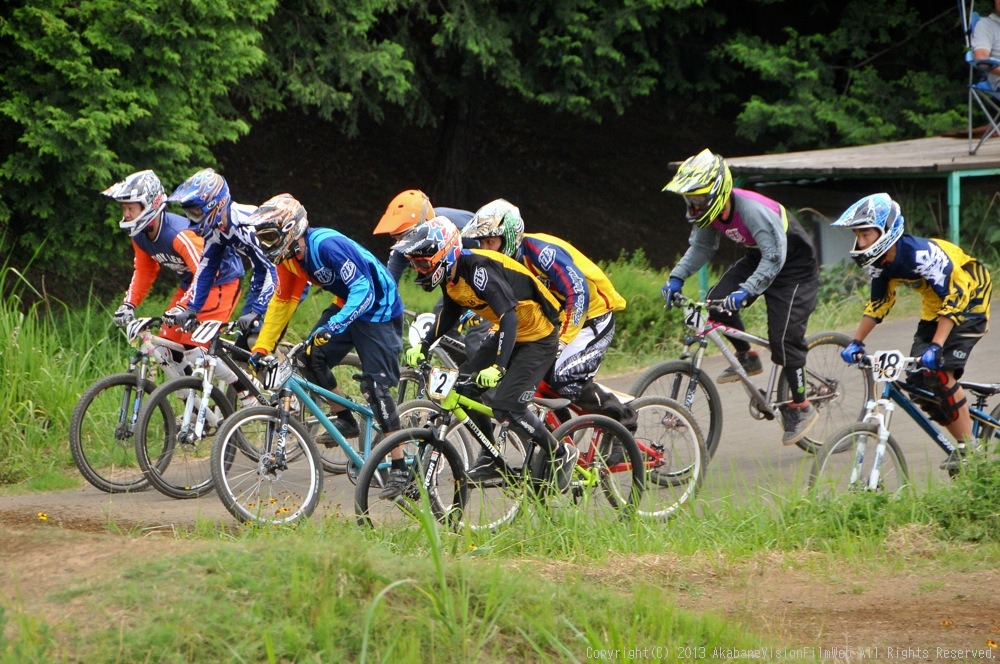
882 419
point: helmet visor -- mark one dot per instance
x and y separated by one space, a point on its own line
269 238
697 204
423 264
195 214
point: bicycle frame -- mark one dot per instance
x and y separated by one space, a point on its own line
704 330
302 389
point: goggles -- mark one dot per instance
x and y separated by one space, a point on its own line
268 237
423 264
195 214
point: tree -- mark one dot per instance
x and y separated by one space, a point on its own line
96 89
849 73
443 62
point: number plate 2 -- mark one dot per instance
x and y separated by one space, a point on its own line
440 382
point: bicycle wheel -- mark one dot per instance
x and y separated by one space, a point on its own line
673 379
610 464
838 390
101 433
989 435
255 481
674 454
435 470
834 473
495 503
173 455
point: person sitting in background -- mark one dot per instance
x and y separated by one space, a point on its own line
955 289
986 43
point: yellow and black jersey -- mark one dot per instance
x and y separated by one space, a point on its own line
492 285
950 282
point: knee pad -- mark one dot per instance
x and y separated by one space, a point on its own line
382 404
944 409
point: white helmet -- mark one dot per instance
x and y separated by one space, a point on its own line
143 188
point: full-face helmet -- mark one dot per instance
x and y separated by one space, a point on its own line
706 184
278 224
405 211
876 211
143 188
500 219
204 197
433 248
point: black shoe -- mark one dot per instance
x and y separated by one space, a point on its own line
485 468
750 361
797 422
630 420
954 462
347 428
563 462
395 484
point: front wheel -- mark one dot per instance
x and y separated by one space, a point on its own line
674 455
838 390
172 449
674 379
102 430
260 480
847 463
435 472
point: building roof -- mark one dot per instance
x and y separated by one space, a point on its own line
921 157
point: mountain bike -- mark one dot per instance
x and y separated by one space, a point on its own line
102 426
436 468
264 464
671 443
838 391
874 460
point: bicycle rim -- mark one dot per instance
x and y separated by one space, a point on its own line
254 480
174 456
436 482
101 435
846 464
674 455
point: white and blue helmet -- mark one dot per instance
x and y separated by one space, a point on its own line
143 188
877 211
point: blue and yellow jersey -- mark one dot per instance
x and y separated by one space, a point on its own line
582 288
950 282
360 285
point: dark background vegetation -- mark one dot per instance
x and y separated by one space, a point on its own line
572 110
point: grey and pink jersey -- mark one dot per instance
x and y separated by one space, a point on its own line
761 225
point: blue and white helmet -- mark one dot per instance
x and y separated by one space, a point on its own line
204 197
877 211
143 188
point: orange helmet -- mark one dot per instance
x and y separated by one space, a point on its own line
405 211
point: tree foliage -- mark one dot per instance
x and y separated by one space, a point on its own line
849 73
96 89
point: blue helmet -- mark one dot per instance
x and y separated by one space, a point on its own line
877 211
204 197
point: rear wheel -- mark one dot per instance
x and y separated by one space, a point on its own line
839 391
102 430
673 379
257 482
171 450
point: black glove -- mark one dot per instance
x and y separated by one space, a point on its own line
124 315
247 323
183 318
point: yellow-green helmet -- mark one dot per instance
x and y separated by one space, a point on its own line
705 183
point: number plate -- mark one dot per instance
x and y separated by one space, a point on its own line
694 316
440 382
887 365
419 328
